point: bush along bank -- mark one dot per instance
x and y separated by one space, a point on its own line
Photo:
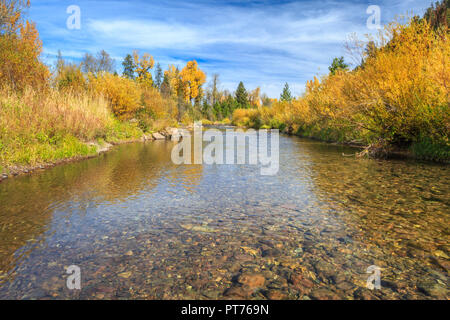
396 102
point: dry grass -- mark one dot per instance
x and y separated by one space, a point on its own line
39 127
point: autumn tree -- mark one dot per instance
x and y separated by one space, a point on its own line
69 76
266 101
142 67
88 63
192 79
171 85
104 62
254 97
20 48
438 14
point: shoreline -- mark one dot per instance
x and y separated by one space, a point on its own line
390 153
21 170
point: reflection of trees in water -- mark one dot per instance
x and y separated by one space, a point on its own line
186 176
397 205
27 204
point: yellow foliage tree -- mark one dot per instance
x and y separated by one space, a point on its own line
172 75
157 106
142 67
192 78
20 48
123 94
254 97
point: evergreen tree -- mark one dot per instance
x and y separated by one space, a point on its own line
128 67
241 95
158 76
286 95
438 14
165 87
338 64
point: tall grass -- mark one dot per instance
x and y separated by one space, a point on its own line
51 125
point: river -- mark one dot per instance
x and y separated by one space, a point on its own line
140 227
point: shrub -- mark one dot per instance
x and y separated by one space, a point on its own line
123 94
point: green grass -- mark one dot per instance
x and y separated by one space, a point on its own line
29 148
426 149
30 151
120 131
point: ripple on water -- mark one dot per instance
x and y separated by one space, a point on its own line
140 227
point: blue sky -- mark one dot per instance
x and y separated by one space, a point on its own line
263 43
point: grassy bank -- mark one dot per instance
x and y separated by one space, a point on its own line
42 127
397 99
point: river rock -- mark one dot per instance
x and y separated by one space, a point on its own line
364 294
430 288
324 294
272 252
236 293
299 282
275 295
174 134
158 136
147 137
253 281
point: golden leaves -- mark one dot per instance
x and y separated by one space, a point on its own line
123 94
400 92
142 66
192 78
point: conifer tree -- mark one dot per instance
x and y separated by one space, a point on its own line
128 67
286 95
241 95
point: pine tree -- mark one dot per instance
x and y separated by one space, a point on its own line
165 86
338 64
286 95
158 76
128 67
241 95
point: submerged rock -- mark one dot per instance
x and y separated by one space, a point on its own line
275 295
324 294
236 293
430 288
252 280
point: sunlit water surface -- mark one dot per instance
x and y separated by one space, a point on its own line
140 227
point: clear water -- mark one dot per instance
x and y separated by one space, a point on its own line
140 227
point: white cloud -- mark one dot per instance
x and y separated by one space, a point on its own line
263 44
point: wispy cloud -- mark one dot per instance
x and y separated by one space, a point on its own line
263 43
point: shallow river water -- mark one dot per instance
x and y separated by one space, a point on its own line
140 227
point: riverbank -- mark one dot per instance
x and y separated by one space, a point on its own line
95 148
396 101
375 151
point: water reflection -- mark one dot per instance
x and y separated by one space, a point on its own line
142 227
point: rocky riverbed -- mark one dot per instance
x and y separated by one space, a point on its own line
140 227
